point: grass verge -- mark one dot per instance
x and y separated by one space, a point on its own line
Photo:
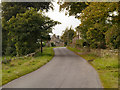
20 67
107 67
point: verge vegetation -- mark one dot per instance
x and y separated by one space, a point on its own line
22 66
106 64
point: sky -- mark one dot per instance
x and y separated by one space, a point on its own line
66 21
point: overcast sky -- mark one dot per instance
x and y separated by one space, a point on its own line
61 17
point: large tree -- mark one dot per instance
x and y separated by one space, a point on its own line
25 29
10 9
96 21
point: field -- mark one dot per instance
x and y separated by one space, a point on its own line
105 62
22 66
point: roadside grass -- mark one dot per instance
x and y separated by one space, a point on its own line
0 74
22 66
74 49
106 66
7 57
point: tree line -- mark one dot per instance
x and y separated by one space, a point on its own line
100 22
25 27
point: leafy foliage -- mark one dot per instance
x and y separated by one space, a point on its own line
68 36
13 8
97 22
10 9
113 36
73 8
25 29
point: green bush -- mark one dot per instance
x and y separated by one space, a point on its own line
79 43
11 49
52 44
43 44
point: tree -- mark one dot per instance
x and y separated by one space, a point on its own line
96 20
4 35
73 8
10 9
25 29
68 36
13 8
96 36
95 17
112 36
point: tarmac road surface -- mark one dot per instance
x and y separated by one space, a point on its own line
65 70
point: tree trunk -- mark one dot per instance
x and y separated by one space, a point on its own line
119 54
41 46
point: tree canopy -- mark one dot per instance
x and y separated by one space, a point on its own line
24 24
68 36
10 9
25 29
99 21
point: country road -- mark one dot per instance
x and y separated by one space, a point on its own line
65 70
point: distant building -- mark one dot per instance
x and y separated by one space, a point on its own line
57 41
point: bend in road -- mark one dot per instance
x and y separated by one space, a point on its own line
65 70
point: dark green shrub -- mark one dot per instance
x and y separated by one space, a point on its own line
52 44
43 44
